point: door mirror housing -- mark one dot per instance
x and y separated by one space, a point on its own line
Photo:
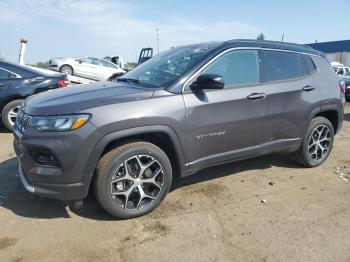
208 81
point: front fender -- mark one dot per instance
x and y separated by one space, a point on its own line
105 140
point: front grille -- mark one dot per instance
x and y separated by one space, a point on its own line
22 121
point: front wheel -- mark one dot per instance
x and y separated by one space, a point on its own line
133 179
317 144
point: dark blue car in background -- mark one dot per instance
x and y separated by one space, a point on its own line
17 82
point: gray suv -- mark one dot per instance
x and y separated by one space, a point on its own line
181 111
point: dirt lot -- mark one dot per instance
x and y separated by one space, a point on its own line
215 215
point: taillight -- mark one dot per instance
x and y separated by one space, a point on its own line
63 83
342 86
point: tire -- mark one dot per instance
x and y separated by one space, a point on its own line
66 69
9 113
320 129
112 166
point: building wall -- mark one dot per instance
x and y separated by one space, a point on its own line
341 57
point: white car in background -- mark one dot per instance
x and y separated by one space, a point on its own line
88 67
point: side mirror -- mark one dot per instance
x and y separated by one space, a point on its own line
208 81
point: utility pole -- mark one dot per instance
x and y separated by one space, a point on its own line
157 31
22 51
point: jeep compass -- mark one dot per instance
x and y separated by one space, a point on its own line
181 111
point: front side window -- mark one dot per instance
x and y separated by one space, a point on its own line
90 60
279 65
238 68
108 64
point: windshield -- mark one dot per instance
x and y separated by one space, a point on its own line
165 68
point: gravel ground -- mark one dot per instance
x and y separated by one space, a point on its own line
262 209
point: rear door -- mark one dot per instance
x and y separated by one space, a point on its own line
8 79
291 95
226 122
4 82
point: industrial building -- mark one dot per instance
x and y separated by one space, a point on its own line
336 51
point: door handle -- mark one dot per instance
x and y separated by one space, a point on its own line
2 84
256 96
308 88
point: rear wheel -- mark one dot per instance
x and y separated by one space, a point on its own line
66 69
317 143
9 113
133 179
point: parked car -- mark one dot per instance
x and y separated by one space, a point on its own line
88 67
346 79
341 70
18 82
183 110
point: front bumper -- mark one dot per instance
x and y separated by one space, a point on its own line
69 179
67 192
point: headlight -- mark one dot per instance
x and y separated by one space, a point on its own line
58 123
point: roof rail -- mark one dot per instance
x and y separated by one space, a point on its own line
267 41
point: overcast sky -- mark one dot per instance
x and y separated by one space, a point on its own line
67 28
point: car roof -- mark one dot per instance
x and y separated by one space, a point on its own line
262 44
27 69
15 66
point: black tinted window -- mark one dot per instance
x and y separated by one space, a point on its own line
237 67
310 65
281 66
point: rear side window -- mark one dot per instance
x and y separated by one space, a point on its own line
5 74
281 66
236 67
310 65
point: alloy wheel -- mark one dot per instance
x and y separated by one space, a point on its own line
137 182
12 115
66 70
319 142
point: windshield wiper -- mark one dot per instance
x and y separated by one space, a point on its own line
129 80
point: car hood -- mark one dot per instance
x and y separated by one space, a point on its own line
78 98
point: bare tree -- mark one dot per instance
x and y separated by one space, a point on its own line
261 36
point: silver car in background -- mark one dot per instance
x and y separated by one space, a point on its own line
88 67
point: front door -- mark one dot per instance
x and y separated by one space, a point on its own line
226 123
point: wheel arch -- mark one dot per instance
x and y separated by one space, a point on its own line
10 99
331 112
162 136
